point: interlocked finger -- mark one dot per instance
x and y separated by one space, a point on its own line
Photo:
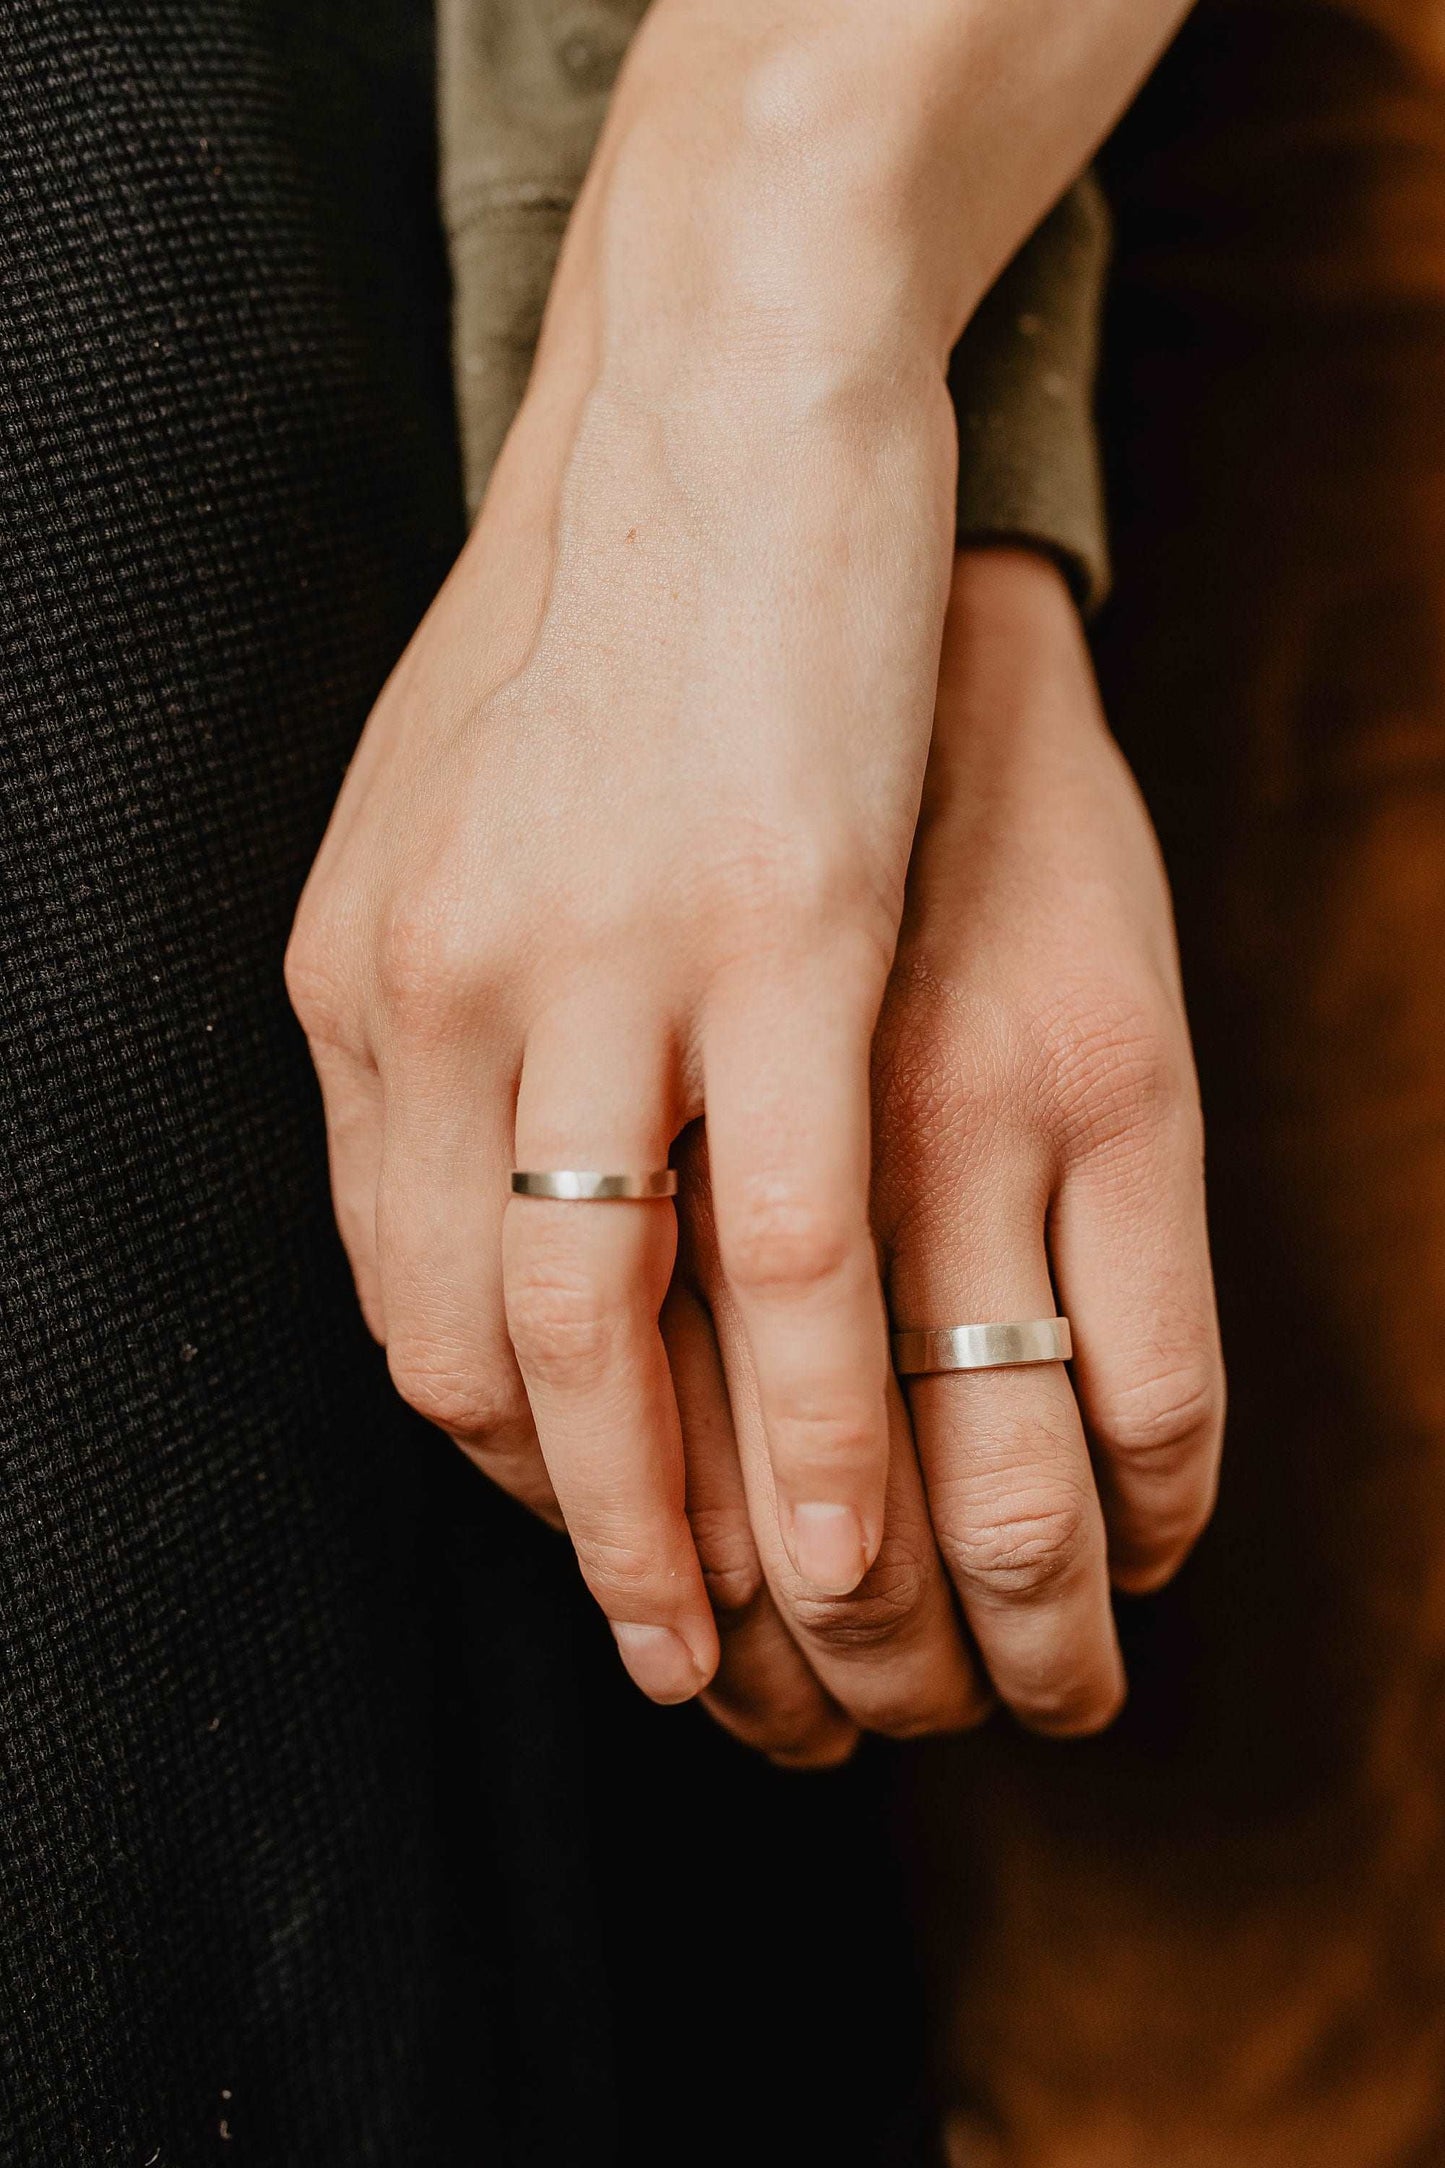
765 1692
1131 1252
786 1068
1010 1484
890 1653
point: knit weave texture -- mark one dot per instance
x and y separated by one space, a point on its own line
228 488
331 1833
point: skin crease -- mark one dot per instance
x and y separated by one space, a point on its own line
626 841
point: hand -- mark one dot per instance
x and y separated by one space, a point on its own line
1037 1139
626 835
625 839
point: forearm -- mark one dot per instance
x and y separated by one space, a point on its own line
841 169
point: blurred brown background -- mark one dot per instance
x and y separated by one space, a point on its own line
1217 1936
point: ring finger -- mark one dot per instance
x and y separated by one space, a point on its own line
1010 1483
584 1283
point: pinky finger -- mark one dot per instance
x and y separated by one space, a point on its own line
352 1098
1131 1258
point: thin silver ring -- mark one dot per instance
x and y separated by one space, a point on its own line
580 1188
982 1347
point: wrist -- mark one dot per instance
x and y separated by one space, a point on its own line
1014 665
780 175
896 155
729 291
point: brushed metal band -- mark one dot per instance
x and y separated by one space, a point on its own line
579 1188
982 1347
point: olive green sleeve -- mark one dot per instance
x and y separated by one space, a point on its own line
1022 379
523 92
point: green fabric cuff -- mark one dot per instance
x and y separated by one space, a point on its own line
523 91
1022 380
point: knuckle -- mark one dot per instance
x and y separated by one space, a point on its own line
1094 1065
824 1441
624 1575
1163 1466
1021 1548
919 1095
731 1570
771 889
1066 1705
440 1385
1159 1425
561 1330
424 968
778 1238
874 1615
783 97
1115 1063
955 1088
313 984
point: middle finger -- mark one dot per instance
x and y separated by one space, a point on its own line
891 1653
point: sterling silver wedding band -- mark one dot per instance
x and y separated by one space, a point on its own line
579 1188
982 1347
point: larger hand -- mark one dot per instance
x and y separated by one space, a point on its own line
627 832
626 840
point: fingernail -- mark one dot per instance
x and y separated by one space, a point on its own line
659 1661
828 1548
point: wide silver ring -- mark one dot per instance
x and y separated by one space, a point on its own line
982 1347
575 1187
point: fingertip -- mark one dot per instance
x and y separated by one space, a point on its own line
662 1662
1082 1716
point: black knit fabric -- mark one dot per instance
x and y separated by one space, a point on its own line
329 1830
227 491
